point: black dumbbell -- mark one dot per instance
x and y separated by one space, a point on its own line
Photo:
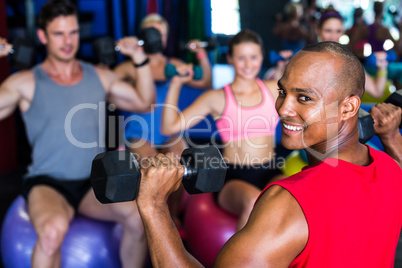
106 50
366 122
116 175
152 40
22 54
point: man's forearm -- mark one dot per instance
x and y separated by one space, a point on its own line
171 123
145 84
393 147
165 245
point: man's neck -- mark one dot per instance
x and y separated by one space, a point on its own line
63 72
345 146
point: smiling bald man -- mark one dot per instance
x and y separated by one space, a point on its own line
342 210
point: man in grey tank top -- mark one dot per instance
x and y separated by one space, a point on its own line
62 101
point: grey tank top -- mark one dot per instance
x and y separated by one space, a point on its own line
65 125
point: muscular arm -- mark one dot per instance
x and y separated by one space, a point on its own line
125 71
14 89
140 96
164 241
126 97
275 234
206 81
174 122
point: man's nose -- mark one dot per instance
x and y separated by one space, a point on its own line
285 107
67 38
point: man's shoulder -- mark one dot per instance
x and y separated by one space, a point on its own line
21 79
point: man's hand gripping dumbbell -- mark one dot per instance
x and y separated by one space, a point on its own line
116 175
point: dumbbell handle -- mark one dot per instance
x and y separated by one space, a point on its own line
201 44
188 172
140 43
11 51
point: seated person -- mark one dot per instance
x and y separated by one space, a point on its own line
246 121
61 101
142 131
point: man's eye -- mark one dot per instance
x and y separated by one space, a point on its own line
281 91
304 98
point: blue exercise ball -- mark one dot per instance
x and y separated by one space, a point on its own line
88 243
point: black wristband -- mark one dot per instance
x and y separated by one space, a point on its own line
141 64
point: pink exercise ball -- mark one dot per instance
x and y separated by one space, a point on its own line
207 227
88 243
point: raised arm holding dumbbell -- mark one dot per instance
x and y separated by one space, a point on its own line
387 118
146 139
197 47
384 120
246 121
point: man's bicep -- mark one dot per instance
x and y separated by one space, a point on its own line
274 236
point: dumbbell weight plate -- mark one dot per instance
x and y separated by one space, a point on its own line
115 176
206 169
23 56
365 125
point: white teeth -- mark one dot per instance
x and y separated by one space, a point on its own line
294 128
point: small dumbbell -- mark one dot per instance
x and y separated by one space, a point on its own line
366 122
116 175
22 54
170 71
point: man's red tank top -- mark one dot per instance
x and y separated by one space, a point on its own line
354 213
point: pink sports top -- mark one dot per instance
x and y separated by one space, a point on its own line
239 123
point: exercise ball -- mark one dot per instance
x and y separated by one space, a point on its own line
294 163
88 243
207 227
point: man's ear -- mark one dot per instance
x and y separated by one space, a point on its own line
42 36
350 107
